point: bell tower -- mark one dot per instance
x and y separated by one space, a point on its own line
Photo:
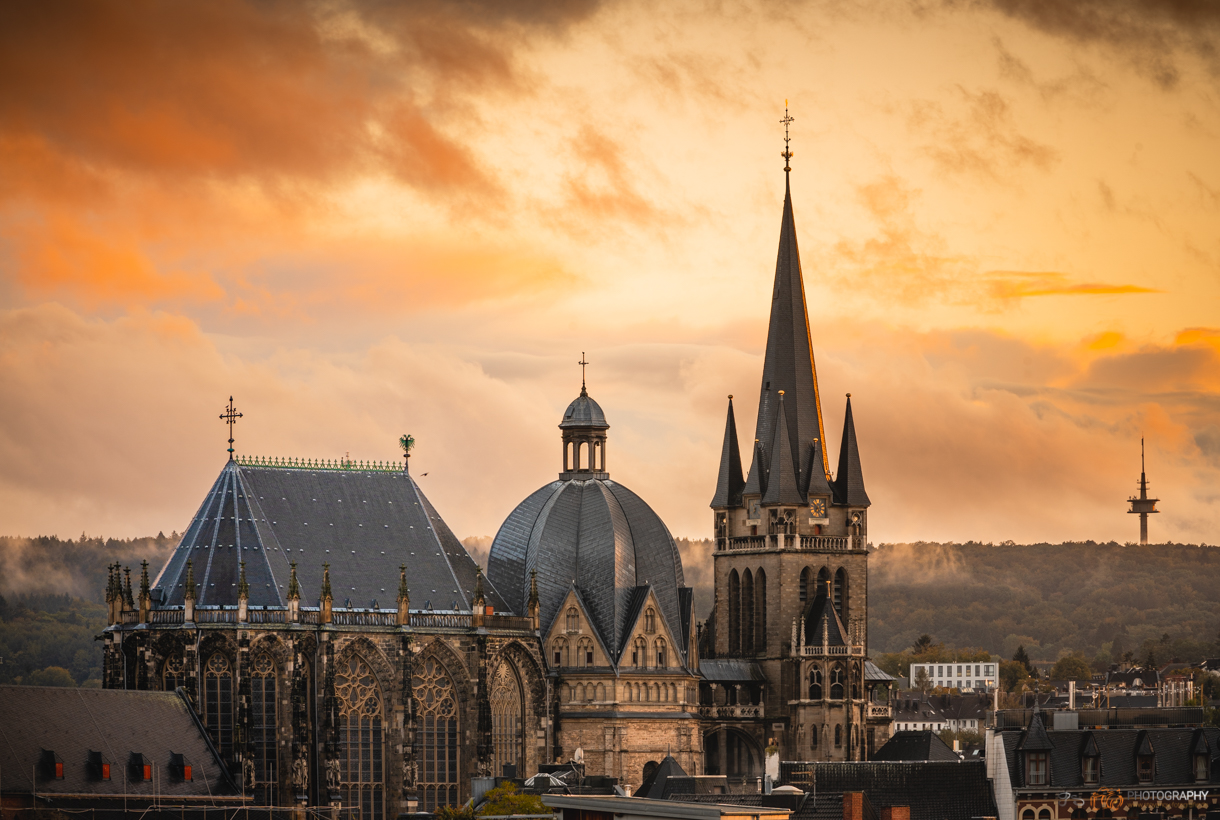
583 430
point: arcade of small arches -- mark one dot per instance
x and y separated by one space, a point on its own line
584 453
833 680
647 692
747 621
837 586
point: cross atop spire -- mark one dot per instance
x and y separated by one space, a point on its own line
787 154
583 364
231 416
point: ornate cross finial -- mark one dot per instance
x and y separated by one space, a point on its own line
231 416
787 155
582 364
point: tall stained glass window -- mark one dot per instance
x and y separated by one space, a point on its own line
507 729
361 747
218 702
262 727
437 750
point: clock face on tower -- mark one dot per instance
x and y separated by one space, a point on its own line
817 508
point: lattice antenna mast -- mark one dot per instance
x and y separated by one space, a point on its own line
230 415
787 154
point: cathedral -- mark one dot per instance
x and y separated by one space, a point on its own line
341 647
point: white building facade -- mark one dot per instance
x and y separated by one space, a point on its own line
981 676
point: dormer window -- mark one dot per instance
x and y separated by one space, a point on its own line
1201 767
1091 770
1145 769
52 765
1035 769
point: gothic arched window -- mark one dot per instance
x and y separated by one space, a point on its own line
662 657
507 729
855 681
823 582
173 674
760 612
639 652
573 620
838 734
584 652
650 621
361 747
218 702
813 734
734 614
841 593
837 674
438 752
747 613
560 652
815 684
262 726
806 578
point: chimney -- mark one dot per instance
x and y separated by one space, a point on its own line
853 805
895 813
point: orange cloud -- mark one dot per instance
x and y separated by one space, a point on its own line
1006 284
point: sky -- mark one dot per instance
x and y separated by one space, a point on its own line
365 219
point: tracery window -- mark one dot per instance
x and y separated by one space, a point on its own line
662 658
218 702
361 743
507 731
173 674
815 684
262 727
573 620
638 651
560 652
650 621
437 751
747 613
836 682
584 652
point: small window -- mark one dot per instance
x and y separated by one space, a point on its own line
59 770
588 657
105 771
186 772
1035 769
813 732
1144 769
558 656
650 621
1091 770
1201 768
573 620
147 772
838 735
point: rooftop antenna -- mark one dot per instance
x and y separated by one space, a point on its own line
231 416
787 154
582 364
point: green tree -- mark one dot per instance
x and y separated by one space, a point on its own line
1012 675
922 682
1071 667
505 799
922 644
51 676
1022 657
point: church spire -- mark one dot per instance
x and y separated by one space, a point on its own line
849 481
789 364
730 482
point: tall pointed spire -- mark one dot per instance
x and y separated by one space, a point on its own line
789 364
782 485
849 480
814 473
730 482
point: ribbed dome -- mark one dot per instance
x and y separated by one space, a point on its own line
596 534
584 412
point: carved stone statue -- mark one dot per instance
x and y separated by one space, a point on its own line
247 772
300 775
332 775
410 774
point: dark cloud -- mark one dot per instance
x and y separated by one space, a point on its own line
1151 34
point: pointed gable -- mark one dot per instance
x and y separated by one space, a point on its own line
1035 738
782 485
849 481
729 481
643 600
586 626
789 364
821 617
815 472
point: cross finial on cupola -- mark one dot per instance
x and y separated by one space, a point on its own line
583 364
230 416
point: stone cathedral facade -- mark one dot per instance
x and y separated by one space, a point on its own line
340 646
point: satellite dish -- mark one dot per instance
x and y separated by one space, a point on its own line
579 755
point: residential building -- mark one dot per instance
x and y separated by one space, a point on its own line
977 675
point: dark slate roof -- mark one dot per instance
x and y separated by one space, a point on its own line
789 364
654 786
820 611
71 723
1146 677
1118 749
1035 738
849 480
730 669
873 672
584 412
363 523
729 481
936 790
915 745
818 483
782 486
600 535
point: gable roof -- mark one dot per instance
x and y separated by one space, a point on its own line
935 790
74 722
364 523
915 745
1035 738
654 786
819 612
